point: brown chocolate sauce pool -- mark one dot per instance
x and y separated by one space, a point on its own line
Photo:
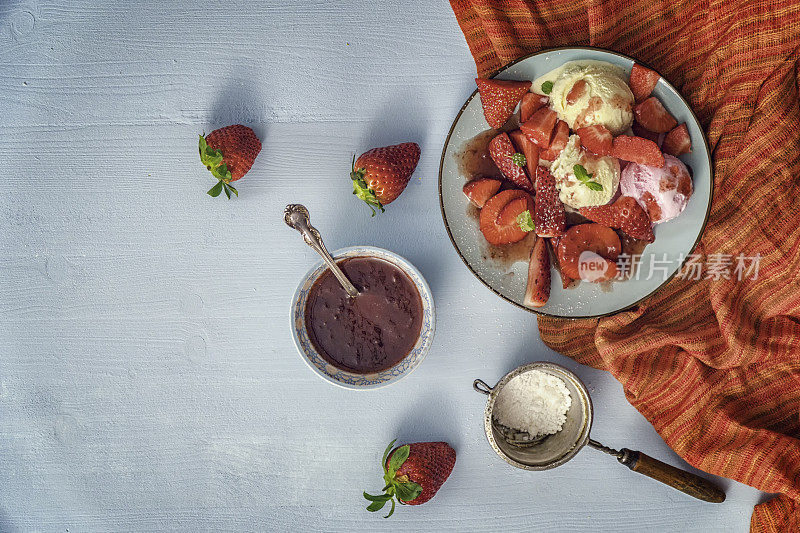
369 333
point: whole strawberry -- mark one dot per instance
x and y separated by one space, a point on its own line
381 174
413 473
229 153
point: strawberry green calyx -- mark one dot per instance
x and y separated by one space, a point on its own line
362 190
396 486
214 162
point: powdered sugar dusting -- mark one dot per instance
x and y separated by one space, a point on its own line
534 402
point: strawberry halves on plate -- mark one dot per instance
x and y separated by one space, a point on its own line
549 217
538 290
510 162
499 98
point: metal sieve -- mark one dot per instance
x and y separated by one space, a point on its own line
531 452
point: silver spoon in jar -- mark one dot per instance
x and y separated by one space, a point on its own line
296 216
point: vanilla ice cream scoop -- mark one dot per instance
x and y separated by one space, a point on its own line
603 169
662 192
588 92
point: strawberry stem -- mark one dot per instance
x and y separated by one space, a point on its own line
215 163
397 487
215 190
222 186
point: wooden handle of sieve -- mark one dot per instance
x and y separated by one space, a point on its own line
684 481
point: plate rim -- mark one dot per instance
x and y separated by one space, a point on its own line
659 287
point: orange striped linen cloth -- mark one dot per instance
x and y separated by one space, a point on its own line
714 365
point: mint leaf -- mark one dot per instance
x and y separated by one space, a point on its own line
519 159
581 173
547 87
399 457
584 177
233 189
525 221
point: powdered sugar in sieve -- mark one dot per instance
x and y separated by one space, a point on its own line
533 403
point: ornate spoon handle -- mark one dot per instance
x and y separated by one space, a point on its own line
296 216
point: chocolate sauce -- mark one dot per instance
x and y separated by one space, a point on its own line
369 333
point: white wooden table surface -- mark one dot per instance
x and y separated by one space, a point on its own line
148 380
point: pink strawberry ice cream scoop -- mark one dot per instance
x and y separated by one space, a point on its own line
662 192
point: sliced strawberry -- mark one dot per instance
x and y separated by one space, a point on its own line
602 214
530 103
528 149
576 92
548 217
643 81
601 241
677 141
538 290
641 131
652 116
490 214
637 150
596 139
625 214
480 190
560 139
514 208
566 281
539 128
502 152
587 116
633 220
499 98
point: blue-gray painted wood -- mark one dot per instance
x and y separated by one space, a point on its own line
147 376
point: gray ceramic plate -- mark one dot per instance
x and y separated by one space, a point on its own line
675 240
